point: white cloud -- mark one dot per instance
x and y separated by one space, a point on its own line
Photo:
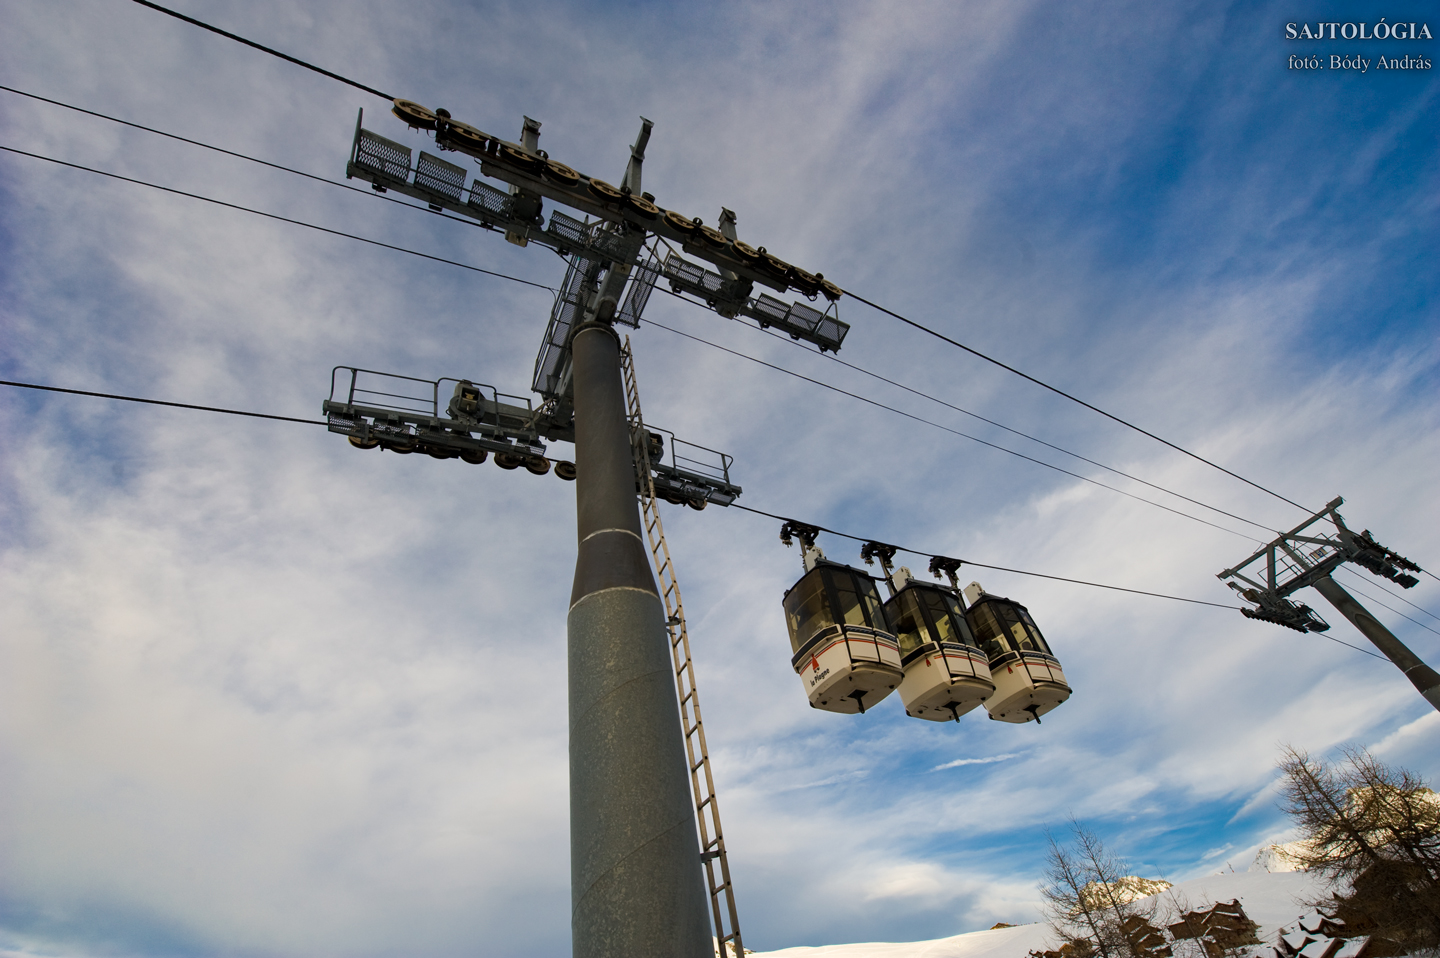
975 761
260 692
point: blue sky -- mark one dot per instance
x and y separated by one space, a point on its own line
263 694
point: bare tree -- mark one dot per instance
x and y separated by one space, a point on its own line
1072 912
1374 833
1094 905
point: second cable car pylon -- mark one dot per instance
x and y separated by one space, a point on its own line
1307 557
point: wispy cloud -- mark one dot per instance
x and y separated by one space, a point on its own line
976 761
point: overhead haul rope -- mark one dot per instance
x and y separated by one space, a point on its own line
321 422
552 290
1025 435
274 53
983 442
276 216
253 159
163 402
760 512
1366 595
997 568
1037 575
1393 595
831 356
1075 399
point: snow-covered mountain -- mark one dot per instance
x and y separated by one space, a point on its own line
1273 899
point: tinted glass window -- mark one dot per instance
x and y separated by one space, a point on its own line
990 635
906 621
850 593
873 606
806 611
1019 636
949 621
1040 644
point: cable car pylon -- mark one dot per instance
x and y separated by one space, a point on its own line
1305 557
702 781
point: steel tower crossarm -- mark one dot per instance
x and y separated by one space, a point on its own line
1305 557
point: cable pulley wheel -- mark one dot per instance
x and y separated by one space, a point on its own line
467 137
746 252
414 114
677 222
807 283
538 465
605 191
558 172
474 456
776 263
697 504
711 235
509 460
643 206
519 158
831 291
360 443
565 470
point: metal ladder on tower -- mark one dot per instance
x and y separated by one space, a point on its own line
702 782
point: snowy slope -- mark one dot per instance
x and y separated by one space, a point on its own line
1270 899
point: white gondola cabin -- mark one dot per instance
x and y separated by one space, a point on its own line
1028 680
844 652
946 672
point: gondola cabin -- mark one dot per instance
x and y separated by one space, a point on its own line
1028 680
844 652
946 672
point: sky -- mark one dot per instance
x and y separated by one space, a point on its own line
262 694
